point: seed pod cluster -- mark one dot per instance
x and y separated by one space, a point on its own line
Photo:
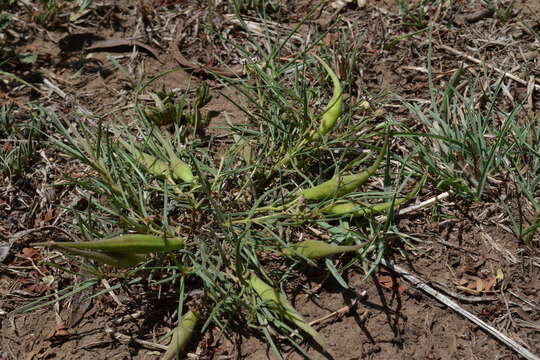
352 209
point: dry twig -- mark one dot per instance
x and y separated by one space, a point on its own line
111 292
338 312
422 285
126 339
423 204
480 62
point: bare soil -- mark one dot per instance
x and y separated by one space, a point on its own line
386 318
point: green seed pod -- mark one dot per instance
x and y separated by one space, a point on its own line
180 170
181 335
124 244
120 261
155 166
279 302
336 187
177 169
339 186
334 108
353 210
315 249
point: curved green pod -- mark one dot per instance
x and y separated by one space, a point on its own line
342 185
280 303
316 249
333 109
124 244
181 335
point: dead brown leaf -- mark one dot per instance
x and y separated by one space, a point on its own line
45 219
402 288
388 282
330 39
29 252
49 215
7 147
60 331
36 289
472 265
476 285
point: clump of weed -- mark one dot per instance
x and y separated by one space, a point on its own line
229 223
